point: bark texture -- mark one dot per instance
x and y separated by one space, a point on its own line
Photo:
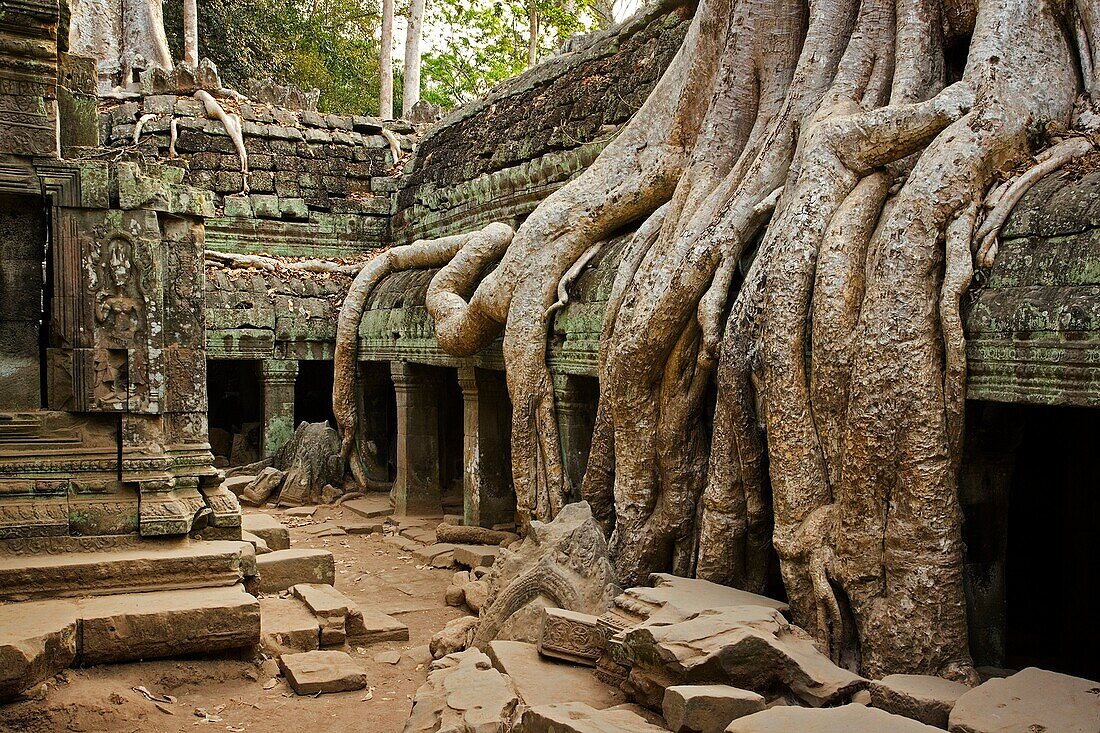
810 183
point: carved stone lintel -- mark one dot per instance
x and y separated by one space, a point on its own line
575 637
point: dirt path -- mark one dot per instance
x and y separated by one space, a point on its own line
370 571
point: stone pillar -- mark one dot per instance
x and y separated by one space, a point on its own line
417 489
488 496
575 403
278 376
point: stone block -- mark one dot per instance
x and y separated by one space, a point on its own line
282 569
265 206
369 626
236 484
541 681
330 606
256 542
1030 700
267 528
570 635
920 697
293 208
315 672
152 566
239 207
260 488
439 555
576 717
286 624
37 640
475 556
132 626
707 708
844 719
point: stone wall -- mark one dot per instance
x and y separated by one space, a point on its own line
318 185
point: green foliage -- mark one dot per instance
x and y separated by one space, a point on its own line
327 44
485 42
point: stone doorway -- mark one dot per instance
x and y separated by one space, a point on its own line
236 414
313 392
22 302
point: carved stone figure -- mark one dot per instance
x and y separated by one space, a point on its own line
560 564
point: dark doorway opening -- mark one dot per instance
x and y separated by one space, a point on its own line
380 416
22 315
1029 494
235 393
1053 544
313 392
451 441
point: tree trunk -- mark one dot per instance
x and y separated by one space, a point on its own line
532 34
385 63
410 93
191 32
808 179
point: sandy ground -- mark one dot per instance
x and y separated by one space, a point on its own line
371 572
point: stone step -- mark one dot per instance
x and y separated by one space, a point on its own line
155 565
330 606
281 569
38 639
173 623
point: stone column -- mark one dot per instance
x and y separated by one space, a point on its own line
278 377
576 411
488 497
417 489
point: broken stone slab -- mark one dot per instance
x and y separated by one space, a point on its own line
672 598
368 626
330 606
131 626
391 657
403 544
257 543
750 647
1031 700
475 556
164 565
439 555
37 640
843 719
541 681
463 693
707 708
281 569
423 535
920 697
576 717
370 506
570 635
260 488
315 672
267 528
352 526
301 511
287 625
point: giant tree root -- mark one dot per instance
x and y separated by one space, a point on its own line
807 177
